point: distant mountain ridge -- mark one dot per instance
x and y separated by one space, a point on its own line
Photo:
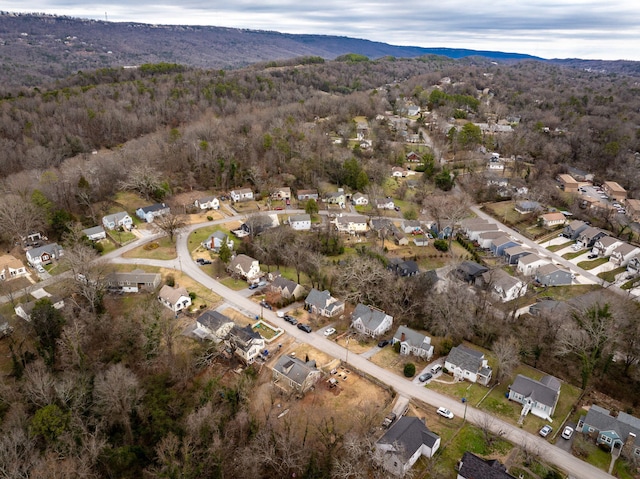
37 48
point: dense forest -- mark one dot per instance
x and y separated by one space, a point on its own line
105 390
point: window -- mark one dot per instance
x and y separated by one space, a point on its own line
607 440
591 429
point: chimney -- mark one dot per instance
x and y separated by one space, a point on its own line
402 337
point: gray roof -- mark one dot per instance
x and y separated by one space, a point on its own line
531 258
575 225
243 261
624 249
319 299
466 358
135 277
213 320
371 318
414 338
545 391
602 420
301 217
514 250
153 208
52 249
294 369
283 283
93 231
410 433
472 268
607 241
474 467
116 217
550 269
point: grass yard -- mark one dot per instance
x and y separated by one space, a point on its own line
234 283
464 389
600 458
575 254
590 264
196 238
163 249
610 276
557 247
121 237
565 293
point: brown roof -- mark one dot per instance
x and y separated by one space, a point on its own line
8 261
172 295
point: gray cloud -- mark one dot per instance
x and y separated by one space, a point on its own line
550 29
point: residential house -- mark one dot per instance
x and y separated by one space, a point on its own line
380 224
242 194
245 266
550 220
501 243
514 253
633 209
215 241
336 198
322 303
550 308
605 245
370 321
568 183
384 203
282 193
118 220
24 310
398 172
213 325
207 203
469 271
474 232
294 374
633 266
351 223
96 233
421 240
619 432
304 195
553 275
573 229
474 467
529 264
525 207
287 288
359 199
589 236
403 268
411 227
44 254
245 343
151 212
11 267
614 190
134 281
495 164
403 444
503 285
623 253
301 222
176 299
485 239
413 157
413 110
538 397
399 237
255 225
413 342
468 364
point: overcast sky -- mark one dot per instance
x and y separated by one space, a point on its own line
603 29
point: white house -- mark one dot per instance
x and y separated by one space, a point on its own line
300 222
246 267
413 342
623 253
96 233
403 444
286 288
213 325
468 364
358 199
245 343
605 245
281 193
503 285
537 397
117 220
243 194
176 299
207 203
215 241
44 254
384 203
352 224
550 220
151 212
293 374
530 263
485 239
133 281
11 267
370 321
321 302
24 310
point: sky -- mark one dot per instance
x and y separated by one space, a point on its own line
603 29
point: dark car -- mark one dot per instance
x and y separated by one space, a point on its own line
253 286
199 260
290 319
592 256
205 261
304 327
383 343
264 304
425 377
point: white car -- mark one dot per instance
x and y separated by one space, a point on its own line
329 331
567 432
444 412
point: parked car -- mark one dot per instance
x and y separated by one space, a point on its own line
383 343
423 378
262 283
329 331
545 431
205 261
253 286
436 369
567 432
266 305
444 412
290 319
592 256
304 327
199 260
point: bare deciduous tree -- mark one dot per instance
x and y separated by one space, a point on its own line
170 224
507 353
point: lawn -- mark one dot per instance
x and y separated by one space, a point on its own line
610 276
196 238
558 247
600 458
121 237
593 263
163 249
575 254
565 293
473 392
234 283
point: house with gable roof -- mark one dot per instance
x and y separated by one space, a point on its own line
501 243
403 444
151 212
525 207
245 266
215 241
213 325
176 299
633 266
467 364
304 195
514 253
413 342
242 194
294 374
207 203
553 275
485 239
623 253
358 199
11 267
24 310
470 271
474 467
384 203
133 281
528 264
620 432
403 268
503 285
352 223
370 321
281 193
573 229
613 190
589 236
322 303
301 222
96 233
117 220
245 343
286 288
568 183
605 245
537 397
44 254
550 220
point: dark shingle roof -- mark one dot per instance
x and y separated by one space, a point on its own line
474 467
465 358
544 391
410 433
